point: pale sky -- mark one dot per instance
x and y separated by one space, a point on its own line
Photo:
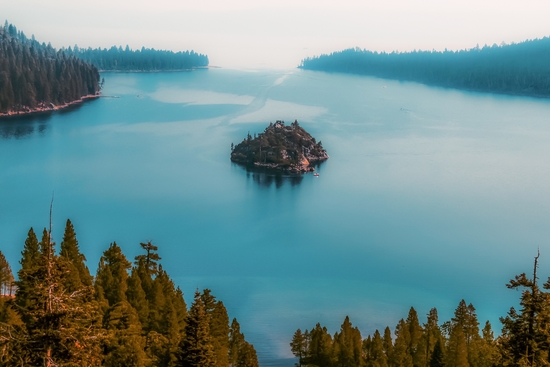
278 34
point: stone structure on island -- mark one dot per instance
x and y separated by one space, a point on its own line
280 147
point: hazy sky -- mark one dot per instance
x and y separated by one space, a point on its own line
278 34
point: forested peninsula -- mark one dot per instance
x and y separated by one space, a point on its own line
145 59
519 69
36 77
282 147
130 314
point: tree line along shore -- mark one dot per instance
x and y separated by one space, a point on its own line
35 77
518 69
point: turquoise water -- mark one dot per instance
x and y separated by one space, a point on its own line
429 196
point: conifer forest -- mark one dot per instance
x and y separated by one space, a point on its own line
522 68
459 342
144 59
129 314
36 76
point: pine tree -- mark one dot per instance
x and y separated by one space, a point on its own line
298 346
136 297
247 356
432 335
487 347
123 345
6 277
61 327
525 333
30 253
150 258
241 353
236 342
218 326
321 351
377 357
400 355
437 358
196 346
348 345
457 350
387 343
415 348
70 251
112 275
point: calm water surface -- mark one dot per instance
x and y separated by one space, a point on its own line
429 196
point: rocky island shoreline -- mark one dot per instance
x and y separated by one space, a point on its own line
280 147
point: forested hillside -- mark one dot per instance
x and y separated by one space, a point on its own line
458 342
522 68
34 76
146 59
130 314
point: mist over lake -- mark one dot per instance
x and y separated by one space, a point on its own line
430 195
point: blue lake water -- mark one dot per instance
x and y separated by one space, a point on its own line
430 195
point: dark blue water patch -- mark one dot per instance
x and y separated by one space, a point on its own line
21 126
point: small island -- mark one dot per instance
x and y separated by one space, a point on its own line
280 147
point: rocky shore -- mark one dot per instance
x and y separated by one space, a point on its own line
48 107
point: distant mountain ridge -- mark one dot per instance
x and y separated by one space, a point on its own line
521 69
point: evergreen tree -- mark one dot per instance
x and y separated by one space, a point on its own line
432 335
348 345
6 277
241 353
61 327
150 258
136 296
525 332
112 275
236 342
70 252
377 356
457 350
387 343
487 356
437 358
247 356
218 326
196 346
298 346
30 253
320 347
123 345
400 355
415 348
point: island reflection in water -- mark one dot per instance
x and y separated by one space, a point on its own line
266 177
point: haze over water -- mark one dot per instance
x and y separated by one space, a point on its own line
430 195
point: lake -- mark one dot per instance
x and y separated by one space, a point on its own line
430 195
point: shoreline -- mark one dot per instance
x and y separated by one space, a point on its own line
157 71
45 107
